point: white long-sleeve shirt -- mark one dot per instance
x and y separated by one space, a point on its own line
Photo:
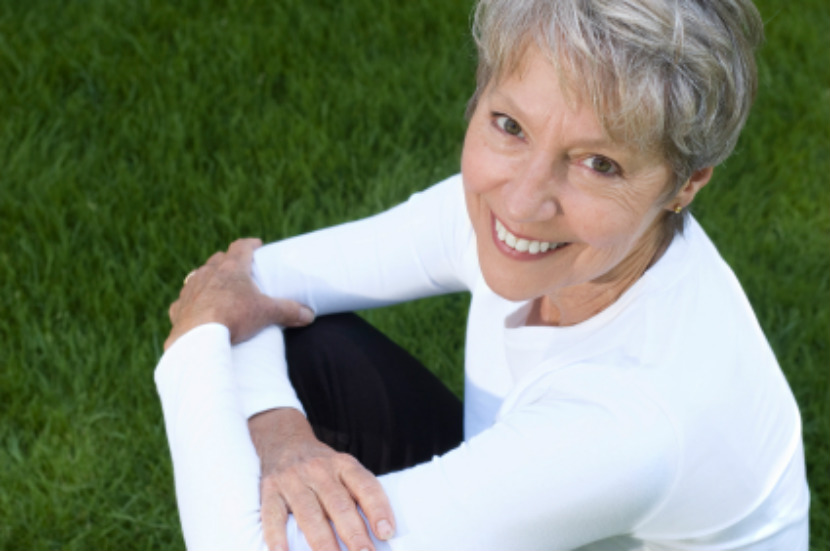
663 422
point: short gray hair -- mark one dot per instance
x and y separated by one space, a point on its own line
677 76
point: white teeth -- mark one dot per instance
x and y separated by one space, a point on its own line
523 245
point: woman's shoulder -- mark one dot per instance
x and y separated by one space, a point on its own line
443 208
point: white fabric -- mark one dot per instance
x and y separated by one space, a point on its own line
664 422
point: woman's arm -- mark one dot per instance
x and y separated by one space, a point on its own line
420 248
585 459
417 249
215 465
304 475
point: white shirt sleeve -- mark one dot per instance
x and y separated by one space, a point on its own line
420 248
215 465
587 457
562 470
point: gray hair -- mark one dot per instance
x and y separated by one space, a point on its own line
677 76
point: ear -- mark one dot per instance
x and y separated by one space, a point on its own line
695 183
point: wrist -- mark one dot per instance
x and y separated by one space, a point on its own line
278 428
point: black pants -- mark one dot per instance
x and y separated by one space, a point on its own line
365 395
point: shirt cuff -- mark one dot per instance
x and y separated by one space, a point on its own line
205 345
261 373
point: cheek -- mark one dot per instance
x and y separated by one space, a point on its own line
480 165
607 224
472 160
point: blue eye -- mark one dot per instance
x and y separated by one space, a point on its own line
509 126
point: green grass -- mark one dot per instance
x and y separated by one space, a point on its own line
138 137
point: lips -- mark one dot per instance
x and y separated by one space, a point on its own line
523 246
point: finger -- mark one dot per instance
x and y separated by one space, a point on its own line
241 252
341 509
245 245
172 311
288 313
310 516
274 515
369 494
215 259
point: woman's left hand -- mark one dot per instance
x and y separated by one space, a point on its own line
222 291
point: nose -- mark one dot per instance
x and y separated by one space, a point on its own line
531 195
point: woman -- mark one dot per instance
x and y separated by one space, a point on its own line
619 391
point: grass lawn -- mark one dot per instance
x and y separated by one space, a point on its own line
136 138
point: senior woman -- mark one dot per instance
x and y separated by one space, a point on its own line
619 391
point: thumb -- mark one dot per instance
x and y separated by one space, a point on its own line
289 313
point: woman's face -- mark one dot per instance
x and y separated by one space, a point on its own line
558 209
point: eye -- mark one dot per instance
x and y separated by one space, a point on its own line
602 165
509 125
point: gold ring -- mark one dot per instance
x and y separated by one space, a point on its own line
188 276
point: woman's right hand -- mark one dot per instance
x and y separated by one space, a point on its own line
319 486
223 291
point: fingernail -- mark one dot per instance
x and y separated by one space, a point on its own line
305 316
385 530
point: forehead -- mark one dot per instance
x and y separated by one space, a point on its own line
551 109
622 109
538 92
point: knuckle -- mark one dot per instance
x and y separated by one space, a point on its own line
369 492
353 540
241 246
317 467
270 483
278 481
359 476
225 268
304 502
348 460
341 505
276 513
321 542
288 477
356 539
349 466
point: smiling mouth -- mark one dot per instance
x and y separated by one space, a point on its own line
523 245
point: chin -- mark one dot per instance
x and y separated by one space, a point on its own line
508 288
509 282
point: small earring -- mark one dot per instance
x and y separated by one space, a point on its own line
678 208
